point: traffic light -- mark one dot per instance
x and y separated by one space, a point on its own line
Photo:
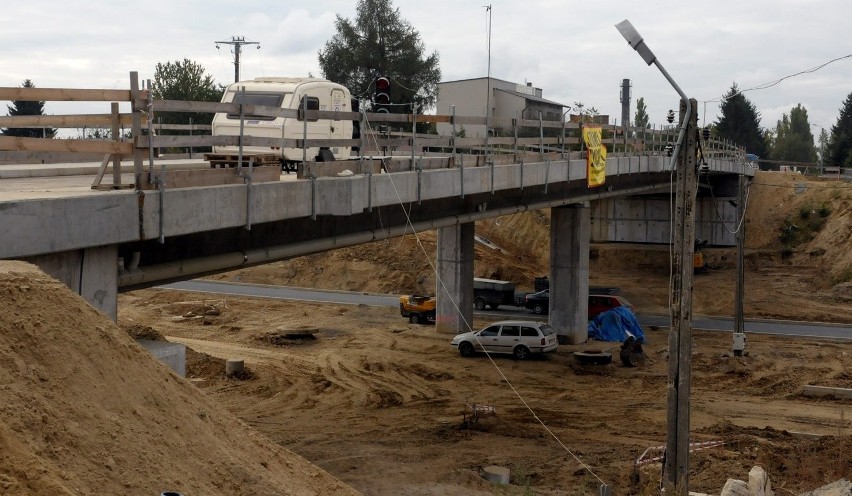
381 96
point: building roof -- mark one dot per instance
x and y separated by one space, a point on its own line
532 97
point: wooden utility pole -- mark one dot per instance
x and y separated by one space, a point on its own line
237 42
680 337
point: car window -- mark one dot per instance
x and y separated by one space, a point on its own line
529 332
312 104
546 329
490 331
511 331
594 300
257 98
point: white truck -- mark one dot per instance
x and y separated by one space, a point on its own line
286 93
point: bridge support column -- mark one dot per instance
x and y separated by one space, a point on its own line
454 289
91 273
570 230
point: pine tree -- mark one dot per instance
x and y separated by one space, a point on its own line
26 107
740 123
839 151
379 42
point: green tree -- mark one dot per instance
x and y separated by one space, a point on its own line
839 151
823 146
184 80
641 118
379 42
793 140
740 123
27 107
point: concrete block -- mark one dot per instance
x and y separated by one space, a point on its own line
820 391
171 354
758 482
842 487
495 474
734 487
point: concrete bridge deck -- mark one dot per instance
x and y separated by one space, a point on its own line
151 237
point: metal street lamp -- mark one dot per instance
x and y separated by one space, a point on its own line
635 40
676 464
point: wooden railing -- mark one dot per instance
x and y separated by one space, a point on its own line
514 137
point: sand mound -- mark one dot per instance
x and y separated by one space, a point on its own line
85 410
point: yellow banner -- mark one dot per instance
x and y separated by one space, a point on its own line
596 158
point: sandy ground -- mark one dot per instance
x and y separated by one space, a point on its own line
377 404
380 403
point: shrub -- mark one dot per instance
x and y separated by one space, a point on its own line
824 211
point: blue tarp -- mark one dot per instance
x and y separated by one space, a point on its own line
615 325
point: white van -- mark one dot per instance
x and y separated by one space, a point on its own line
286 93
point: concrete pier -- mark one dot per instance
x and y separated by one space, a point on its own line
570 229
454 311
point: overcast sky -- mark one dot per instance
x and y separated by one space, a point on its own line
569 49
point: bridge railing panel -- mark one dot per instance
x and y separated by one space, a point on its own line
386 134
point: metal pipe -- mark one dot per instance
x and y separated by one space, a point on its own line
686 116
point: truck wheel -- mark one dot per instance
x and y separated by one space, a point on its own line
414 318
479 303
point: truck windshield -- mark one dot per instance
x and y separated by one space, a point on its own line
257 98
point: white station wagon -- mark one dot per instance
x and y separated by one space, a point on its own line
517 337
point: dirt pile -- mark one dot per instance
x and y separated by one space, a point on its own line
85 410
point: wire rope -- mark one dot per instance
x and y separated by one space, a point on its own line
467 325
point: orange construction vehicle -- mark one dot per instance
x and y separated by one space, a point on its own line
419 309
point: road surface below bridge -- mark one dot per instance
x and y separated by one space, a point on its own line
774 327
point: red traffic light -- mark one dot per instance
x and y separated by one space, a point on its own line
381 95
382 85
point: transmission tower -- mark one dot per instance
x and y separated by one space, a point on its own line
237 42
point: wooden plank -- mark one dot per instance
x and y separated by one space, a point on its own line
65 145
64 121
431 118
64 95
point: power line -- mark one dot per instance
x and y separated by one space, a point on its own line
779 80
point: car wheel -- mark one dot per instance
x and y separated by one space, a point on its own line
521 352
479 304
538 308
413 318
465 349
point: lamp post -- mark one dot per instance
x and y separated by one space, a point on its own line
676 464
635 40
563 130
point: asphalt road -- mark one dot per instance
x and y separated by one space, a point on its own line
777 327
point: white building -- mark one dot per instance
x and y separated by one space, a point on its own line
508 100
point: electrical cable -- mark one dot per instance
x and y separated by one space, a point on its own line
777 81
468 326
